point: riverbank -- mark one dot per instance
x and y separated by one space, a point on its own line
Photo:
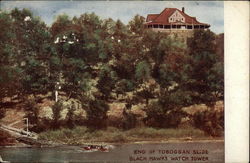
82 135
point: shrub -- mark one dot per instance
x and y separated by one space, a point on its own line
160 116
97 114
56 109
43 124
129 119
149 133
210 121
167 112
32 113
70 116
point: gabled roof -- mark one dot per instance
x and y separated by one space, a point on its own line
151 17
162 18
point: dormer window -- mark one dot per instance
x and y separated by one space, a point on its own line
176 17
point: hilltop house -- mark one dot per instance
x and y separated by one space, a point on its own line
173 20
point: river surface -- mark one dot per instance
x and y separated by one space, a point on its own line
208 152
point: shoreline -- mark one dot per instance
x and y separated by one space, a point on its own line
118 143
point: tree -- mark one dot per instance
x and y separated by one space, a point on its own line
106 82
70 116
32 46
166 112
80 48
56 109
97 114
202 40
9 71
136 25
205 71
143 71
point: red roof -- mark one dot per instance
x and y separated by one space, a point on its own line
162 18
151 17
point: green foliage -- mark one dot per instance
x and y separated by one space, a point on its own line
146 93
202 41
123 86
97 113
61 24
9 76
56 109
158 116
106 82
166 112
205 70
70 116
212 122
82 135
32 112
142 71
129 119
136 25
92 58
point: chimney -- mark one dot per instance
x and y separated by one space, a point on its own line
183 9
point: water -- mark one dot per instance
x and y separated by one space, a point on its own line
121 153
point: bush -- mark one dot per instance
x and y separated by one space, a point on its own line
71 119
56 109
43 125
153 133
160 116
167 112
210 121
97 114
32 113
129 120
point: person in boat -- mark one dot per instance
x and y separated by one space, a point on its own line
103 148
87 148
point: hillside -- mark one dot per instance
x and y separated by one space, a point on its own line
100 73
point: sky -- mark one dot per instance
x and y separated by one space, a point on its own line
211 12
